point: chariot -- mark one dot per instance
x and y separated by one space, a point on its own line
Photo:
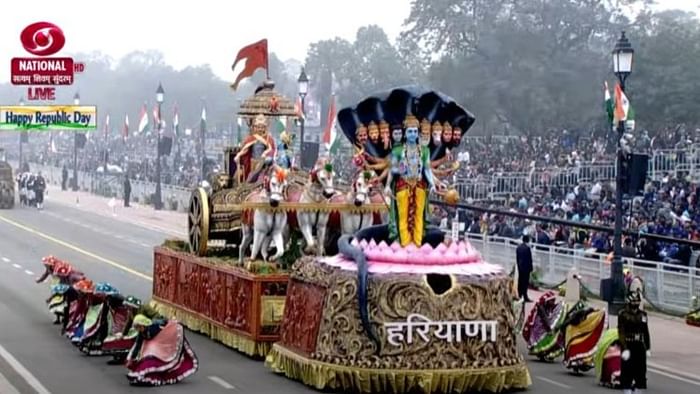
220 212
7 186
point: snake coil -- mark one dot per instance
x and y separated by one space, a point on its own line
433 236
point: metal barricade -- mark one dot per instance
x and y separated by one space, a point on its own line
668 286
476 191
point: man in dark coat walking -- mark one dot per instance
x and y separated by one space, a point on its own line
127 190
523 257
64 178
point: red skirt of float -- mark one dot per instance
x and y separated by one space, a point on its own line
241 309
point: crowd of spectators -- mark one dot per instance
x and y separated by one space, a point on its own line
670 206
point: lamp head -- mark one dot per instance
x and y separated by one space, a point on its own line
623 55
303 83
160 94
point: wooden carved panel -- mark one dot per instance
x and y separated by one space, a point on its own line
302 316
239 300
165 276
217 296
203 289
184 286
192 299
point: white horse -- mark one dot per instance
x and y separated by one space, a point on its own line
319 191
263 225
350 221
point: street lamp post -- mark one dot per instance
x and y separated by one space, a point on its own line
622 67
303 90
158 203
76 101
21 134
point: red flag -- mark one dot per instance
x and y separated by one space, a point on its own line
297 108
328 132
255 56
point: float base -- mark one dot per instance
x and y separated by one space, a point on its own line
326 376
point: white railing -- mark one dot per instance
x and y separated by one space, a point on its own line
668 286
674 162
174 198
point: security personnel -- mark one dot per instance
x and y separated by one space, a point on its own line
634 339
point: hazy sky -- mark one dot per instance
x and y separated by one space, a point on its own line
206 31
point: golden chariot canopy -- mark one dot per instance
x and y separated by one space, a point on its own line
267 102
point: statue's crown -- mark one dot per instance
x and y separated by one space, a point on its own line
260 120
411 121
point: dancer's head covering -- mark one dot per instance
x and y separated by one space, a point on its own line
49 261
106 289
142 321
85 286
62 269
133 302
60 288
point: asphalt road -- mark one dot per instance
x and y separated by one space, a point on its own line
121 253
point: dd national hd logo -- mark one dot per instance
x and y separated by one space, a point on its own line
43 39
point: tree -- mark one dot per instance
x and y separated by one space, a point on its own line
664 87
369 64
530 64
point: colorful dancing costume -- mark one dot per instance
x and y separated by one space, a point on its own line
607 360
161 354
541 333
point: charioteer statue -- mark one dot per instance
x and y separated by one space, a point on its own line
257 152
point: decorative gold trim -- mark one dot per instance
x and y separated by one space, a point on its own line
322 207
214 331
324 376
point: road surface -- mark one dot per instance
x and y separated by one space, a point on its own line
34 358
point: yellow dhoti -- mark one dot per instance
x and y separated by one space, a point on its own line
411 199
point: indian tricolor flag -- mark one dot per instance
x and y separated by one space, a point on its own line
106 127
609 105
176 122
297 109
143 119
622 105
125 130
330 136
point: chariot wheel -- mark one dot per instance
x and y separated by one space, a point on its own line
198 222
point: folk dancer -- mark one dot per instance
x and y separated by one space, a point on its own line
634 339
257 151
410 180
161 354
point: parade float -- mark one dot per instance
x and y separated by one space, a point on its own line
403 307
265 211
7 184
693 317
